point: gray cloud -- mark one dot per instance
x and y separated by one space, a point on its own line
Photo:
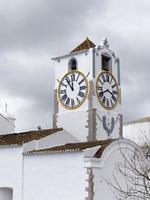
42 24
33 31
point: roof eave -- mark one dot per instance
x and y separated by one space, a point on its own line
70 54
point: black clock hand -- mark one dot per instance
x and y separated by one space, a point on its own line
72 86
109 93
106 91
69 85
113 96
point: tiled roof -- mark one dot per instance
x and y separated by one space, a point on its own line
87 44
75 147
24 137
141 120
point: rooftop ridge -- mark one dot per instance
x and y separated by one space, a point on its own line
24 137
86 44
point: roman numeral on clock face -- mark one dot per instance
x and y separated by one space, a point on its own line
77 77
114 85
67 79
72 77
104 99
81 94
114 98
78 100
83 87
64 97
107 103
72 102
99 88
114 92
81 81
107 77
62 91
103 78
101 94
68 101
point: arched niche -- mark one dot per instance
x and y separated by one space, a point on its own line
6 193
73 64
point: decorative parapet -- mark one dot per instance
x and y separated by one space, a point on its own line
105 45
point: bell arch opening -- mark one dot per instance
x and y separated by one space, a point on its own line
73 65
6 193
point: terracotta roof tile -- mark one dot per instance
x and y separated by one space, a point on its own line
87 44
24 137
75 147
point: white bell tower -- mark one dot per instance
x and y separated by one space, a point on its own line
98 115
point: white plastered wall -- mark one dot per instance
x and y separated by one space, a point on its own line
56 139
11 170
137 132
54 176
75 123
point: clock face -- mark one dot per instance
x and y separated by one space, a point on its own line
73 89
107 90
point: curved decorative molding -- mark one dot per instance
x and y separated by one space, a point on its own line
105 45
117 145
114 146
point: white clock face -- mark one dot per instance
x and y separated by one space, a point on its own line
107 90
73 89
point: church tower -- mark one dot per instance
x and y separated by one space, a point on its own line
87 94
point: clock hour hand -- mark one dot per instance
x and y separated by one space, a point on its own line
71 86
109 92
106 91
113 96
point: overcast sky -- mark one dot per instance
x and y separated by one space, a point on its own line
33 31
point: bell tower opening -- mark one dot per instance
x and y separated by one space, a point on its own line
106 63
6 193
72 64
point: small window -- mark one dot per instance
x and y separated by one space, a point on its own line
106 63
73 64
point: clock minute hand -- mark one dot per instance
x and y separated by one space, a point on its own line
109 92
112 94
106 91
70 85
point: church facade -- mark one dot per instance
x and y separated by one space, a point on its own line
76 158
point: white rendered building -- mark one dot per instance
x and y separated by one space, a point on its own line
138 130
74 161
